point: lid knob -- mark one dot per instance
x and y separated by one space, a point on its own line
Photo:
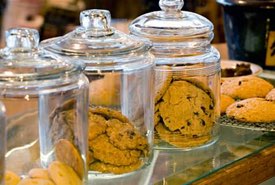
171 5
96 20
22 38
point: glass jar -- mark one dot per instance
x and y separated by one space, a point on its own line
37 89
187 76
120 70
2 142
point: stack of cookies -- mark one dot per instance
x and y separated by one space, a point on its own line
67 169
184 112
115 145
57 173
249 100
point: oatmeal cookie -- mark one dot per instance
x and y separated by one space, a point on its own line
187 108
252 110
11 178
179 140
67 153
124 136
108 168
225 102
246 87
156 118
109 114
104 151
97 125
62 174
39 173
29 181
271 95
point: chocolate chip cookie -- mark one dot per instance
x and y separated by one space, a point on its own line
246 87
179 140
252 110
186 109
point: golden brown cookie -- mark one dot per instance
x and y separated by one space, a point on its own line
109 114
124 136
187 108
246 87
108 168
97 125
156 118
104 151
198 84
28 181
39 173
62 174
11 178
271 95
90 157
179 140
252 110
225 102
66 152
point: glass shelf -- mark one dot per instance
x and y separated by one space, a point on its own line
186 167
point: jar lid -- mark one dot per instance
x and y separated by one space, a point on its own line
259 3
171 23
21 60
94 37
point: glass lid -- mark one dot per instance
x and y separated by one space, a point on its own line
171 23
21 60
94 37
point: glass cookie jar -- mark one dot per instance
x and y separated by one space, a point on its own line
187 76
2 142
45 144
120 70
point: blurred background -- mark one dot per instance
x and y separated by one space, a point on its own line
56 17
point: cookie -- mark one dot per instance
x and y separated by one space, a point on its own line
62 174
162 82
109 114
11 178
198 84
246 87
271 95
28 181
104 151
225 102
90 157
124 136
108 168
179 140
187 108
156 118
67 153
97 125
252 110
39 173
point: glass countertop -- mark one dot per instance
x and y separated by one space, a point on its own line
186 167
